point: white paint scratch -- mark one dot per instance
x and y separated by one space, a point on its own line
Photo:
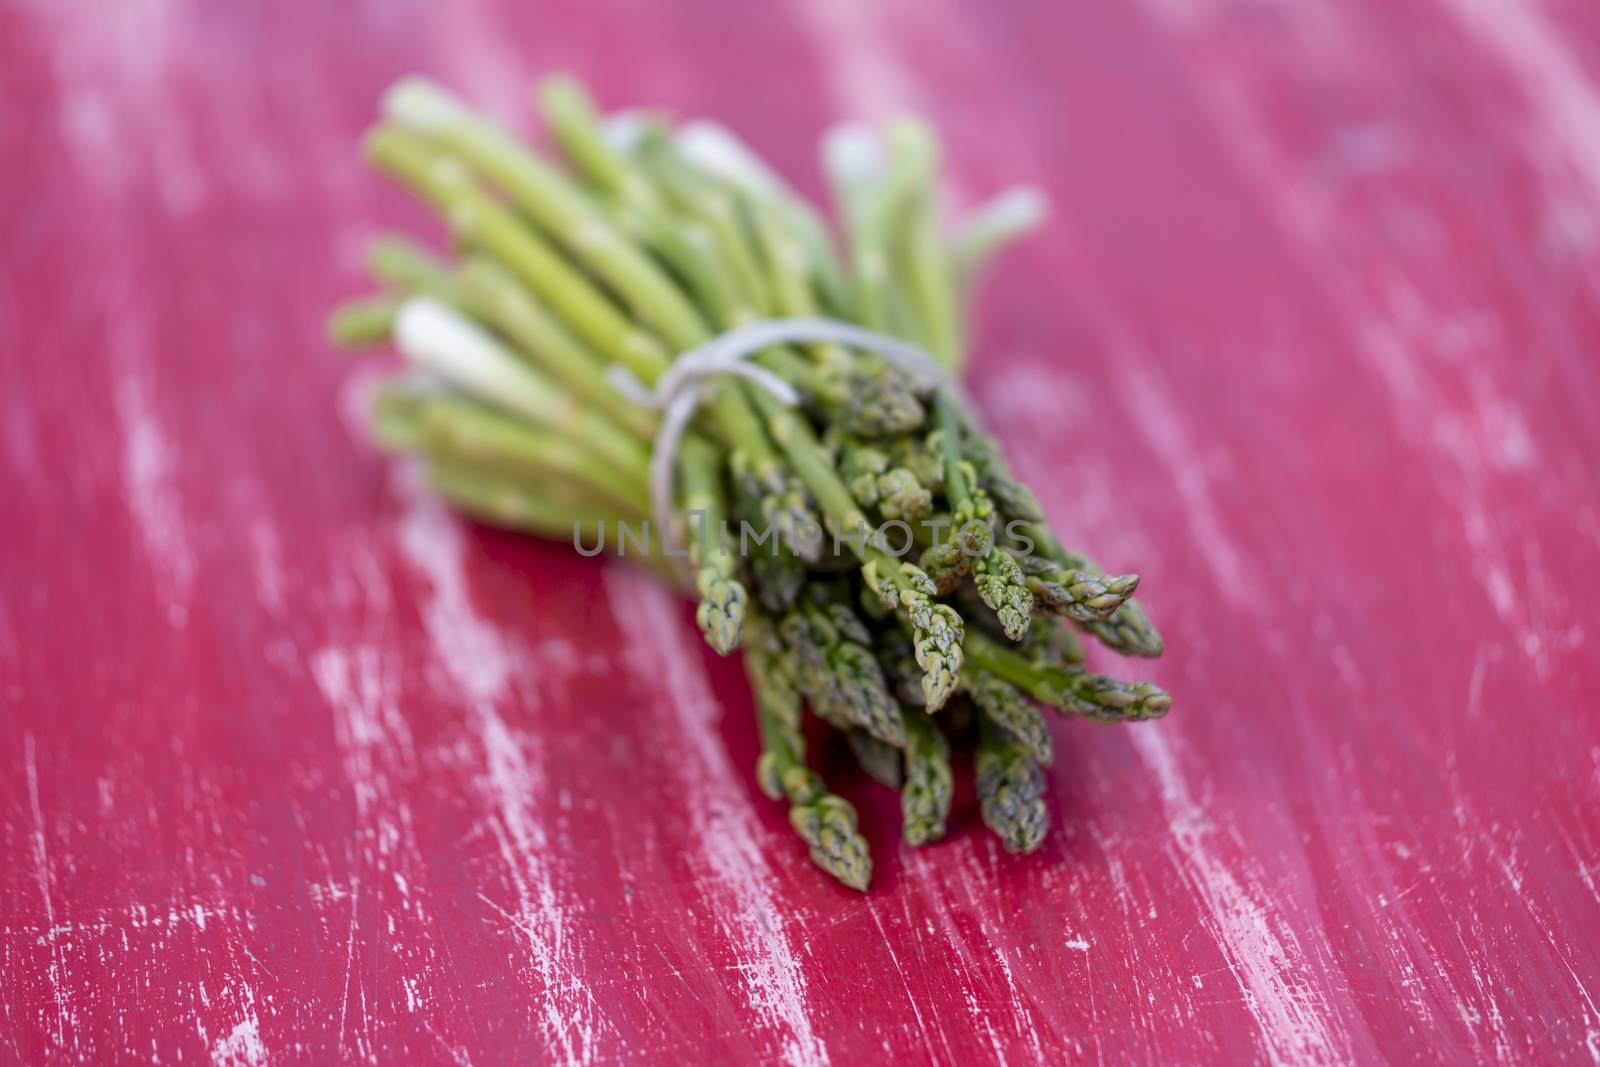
56 973
152 497
866 81
1163 426
242 1047
368 727
118 108
1566 103
471 651
663 655
480 662
1415 342
1297 1024
266 563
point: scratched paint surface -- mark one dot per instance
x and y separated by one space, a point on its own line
298 768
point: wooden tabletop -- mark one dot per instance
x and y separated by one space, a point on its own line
296 767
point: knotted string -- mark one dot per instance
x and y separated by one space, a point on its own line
677 393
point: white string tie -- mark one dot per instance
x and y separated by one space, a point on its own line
677 394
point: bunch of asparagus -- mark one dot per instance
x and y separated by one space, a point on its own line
867 551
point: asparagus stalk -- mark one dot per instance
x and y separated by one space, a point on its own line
715 150
364 323
825 822
492 293
551 201
1127 630
776 572
481 222
930 289
562 211
487 293
1011 497
936 628
455 426
1010 709
1010 789
574 124
879 759
441 341
997 575
722 599
1007 218
843 679
1069 689
503 501
1048 641
929 785
852 156
1079 595
402 264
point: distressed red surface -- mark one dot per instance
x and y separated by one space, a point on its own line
296 768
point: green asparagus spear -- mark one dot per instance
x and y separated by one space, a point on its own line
1069 689
925 796
1010 789
844 679
996 573
1009 708
879 759
722 599
1128 630
826 823
1079 595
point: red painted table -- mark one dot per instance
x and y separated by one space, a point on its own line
297 768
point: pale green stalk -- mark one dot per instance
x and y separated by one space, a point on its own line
416 416
574 123
930 297
991 227
457 426
363 323
714 150
560 209
554 204
493 294
706 200
398 262
852 157
502 503
722 599
432 336
489 293
477 219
